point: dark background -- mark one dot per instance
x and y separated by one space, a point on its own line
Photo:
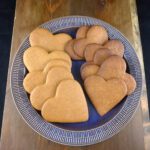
7 10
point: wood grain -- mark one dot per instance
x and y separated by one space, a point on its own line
16 134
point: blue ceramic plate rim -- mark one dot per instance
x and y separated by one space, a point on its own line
69 137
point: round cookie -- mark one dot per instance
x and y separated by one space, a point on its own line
88 69
81 32
90 50
45 39
69 49
115 46
101 55
113 67
71 105
47 90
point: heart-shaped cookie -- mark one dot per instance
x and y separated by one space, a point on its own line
113 67
81 32
96 34
35 58
90 50
101 55
45 39
105 94
69 48
35 78
115 46
88 69
130 82
68 105
47 90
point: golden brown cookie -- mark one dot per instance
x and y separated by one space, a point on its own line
113 67
105 94
45 39
35 78
79 46
57 63
69 49
82 31
90 50
88 69
47 90
35 58
96 34
115 46
68 105
101 55
130 82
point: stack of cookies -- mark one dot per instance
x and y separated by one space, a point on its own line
104 72
51 85
49 80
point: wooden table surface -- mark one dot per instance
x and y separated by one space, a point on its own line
16 134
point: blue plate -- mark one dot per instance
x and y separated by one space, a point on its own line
97 128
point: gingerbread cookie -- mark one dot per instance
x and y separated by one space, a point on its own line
70 50
115 46
68 105
45 39
96 34
35 58
35 78
113 67
88 69
101 55
105 94
81 32
90 50
47 90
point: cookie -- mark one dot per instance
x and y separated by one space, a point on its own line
90 50
96 34
113 67
69 49
115 46
88 69
35 78
32 79
47 90
60 55
101 55
81 32
105 95
35 58
57 63
130 83
79 46
45 39
68 105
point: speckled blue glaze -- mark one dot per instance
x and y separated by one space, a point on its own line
97 128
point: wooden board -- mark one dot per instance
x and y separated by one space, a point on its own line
16 134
